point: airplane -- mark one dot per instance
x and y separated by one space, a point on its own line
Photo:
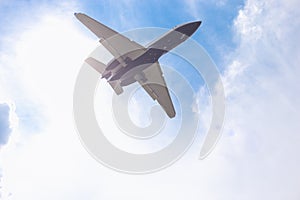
133 62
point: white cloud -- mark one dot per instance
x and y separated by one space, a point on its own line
41 67
263 99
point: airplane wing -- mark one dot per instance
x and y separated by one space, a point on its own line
156 87
117 44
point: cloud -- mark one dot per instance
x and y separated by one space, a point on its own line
261 133
38 73
8 123
18 59
5 128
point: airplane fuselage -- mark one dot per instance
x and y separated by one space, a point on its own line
126 73
135 66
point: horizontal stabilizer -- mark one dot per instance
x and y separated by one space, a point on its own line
97 65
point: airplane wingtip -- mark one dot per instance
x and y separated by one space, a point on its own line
171 114
77 14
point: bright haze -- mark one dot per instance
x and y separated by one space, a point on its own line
255 46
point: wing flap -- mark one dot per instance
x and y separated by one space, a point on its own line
156 87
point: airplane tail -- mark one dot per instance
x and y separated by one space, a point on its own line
100 67
97 65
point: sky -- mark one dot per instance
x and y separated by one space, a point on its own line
254 45
4 123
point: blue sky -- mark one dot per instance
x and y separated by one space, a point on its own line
4 124
253 43
125 15
217 18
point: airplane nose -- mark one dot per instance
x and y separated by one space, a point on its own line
197 24
194 25
188 28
